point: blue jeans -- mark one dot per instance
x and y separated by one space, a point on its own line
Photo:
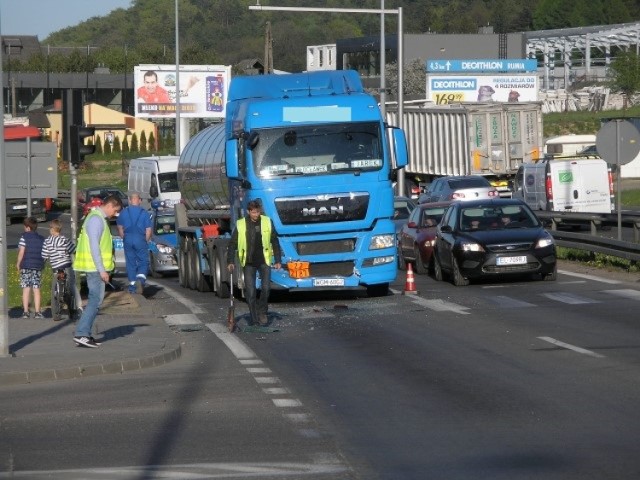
96 295
136 255
259 306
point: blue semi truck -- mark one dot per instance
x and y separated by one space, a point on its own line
314 149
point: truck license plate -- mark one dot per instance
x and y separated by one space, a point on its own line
19 207
328 282
511 260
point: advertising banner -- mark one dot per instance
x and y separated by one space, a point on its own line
495 65
443 89
203 90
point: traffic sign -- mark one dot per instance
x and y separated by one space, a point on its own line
618 142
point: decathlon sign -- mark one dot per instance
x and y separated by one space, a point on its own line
505 65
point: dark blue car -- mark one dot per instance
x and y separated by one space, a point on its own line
162 246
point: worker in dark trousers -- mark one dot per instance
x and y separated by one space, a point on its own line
134 226
255 241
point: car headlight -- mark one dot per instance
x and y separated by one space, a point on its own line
165 249
382 241
471 247
545 241
430 243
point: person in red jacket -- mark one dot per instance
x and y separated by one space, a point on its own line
151 92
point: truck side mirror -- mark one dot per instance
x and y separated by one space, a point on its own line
400 148
153 191
231 158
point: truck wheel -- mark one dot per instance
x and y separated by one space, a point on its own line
221 287
194 267
202 281
183 264
380 290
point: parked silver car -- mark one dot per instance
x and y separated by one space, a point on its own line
463 188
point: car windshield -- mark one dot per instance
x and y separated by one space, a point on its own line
402 209
317 150
497 217
165 224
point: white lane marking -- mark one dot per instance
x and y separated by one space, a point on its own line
508 302
569 298
589 277
626 293
193 307
298 417
329 465
259 370
181 319
440 305
286 402
233 343
267 380
568 346
276 391
253 361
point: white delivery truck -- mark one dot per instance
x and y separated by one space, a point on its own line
571 145
155 178
576 185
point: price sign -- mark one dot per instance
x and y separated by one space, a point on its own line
448 97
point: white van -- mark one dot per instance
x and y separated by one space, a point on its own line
155 178
578 185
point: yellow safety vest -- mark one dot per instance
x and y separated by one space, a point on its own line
265 229
83 261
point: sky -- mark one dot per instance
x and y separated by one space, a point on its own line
42 17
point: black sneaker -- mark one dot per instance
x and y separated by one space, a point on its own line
95 341
38 315
86 342
25 315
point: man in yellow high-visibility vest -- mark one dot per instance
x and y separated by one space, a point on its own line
256 242
94 256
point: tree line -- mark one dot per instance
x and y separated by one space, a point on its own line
225 31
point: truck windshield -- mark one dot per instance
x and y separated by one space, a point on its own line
318 150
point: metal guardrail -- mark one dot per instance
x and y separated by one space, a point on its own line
594 241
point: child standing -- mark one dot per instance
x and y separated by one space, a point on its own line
58 250
30 264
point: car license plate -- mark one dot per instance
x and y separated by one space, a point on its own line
19 207
328 282
118 244
511 260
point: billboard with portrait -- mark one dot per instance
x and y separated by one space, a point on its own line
203 90
443 89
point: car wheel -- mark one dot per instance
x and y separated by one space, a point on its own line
458 279
437 268
152 267
421 268
551 277
402 263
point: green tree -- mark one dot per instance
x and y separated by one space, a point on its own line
99 150
125 145
134 143
116 144
143 142
152 143
625 75
107 148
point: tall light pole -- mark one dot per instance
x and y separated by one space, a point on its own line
381 12
4 319
177 82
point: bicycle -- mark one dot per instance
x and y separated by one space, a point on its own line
62 294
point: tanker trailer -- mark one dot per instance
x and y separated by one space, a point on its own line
314 150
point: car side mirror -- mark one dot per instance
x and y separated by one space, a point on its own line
446 228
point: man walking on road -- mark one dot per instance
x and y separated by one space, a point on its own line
94 256
255 241
134 226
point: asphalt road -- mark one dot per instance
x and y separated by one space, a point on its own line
501 380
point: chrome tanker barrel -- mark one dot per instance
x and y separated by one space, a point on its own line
201 178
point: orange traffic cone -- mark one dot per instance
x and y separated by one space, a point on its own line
410 284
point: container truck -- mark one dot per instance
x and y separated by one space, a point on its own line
492 140
314 149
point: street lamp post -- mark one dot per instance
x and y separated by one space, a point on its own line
177 83
381 11
4 318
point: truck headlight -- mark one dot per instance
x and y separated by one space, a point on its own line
382 241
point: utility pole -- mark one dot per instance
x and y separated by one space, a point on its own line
4 309
268 49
